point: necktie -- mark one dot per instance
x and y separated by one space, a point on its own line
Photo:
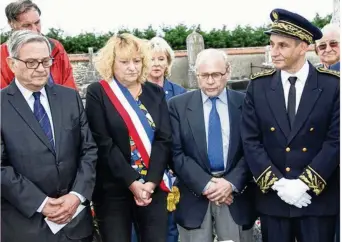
42 117
215 144
291 102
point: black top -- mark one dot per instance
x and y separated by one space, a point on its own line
111 135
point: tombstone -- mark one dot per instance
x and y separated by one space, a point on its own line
87 74
336 13
194 45
268 60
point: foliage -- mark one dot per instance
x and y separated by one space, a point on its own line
241 36
320 22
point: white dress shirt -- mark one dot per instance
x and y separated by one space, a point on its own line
28 96
222 109
301 75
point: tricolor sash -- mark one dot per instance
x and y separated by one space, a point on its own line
138 125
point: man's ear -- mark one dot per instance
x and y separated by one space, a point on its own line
11 63
304 48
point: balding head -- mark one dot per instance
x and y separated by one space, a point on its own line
213 71
210 55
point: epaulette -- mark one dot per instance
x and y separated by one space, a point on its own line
266 72
328 71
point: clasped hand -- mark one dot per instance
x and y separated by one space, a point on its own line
61 210
293 192
219 191
142 192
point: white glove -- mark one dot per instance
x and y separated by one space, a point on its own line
291 191
304 201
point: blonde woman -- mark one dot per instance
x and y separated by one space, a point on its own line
131 126
162 60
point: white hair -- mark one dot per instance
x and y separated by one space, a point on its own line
330 28
21 37
158 44
208 54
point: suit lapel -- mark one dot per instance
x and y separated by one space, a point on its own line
56 113
309 97
195 118
276 100
17 100
234 135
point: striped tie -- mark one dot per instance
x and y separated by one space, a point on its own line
42 118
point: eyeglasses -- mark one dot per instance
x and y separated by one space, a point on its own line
216 76
324 45
34 64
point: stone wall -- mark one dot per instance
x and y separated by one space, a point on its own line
244 61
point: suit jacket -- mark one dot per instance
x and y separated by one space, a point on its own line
172 89
110 132
191 163
31 169
310 151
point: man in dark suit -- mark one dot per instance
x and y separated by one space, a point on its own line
291 135
47 151
208 157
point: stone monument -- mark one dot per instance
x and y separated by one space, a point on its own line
336 13
268 59
194 45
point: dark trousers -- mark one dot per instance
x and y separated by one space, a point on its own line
337 229
301 229
116 214
172 231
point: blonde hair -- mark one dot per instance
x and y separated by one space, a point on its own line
124 45
158 44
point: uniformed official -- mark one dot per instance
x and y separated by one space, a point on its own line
290 132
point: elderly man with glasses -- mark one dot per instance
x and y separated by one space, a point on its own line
328 47
208 157
48 155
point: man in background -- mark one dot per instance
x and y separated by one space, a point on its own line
328 47
24 14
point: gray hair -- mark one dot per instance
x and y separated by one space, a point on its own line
21 37
157 44
209 53
14 9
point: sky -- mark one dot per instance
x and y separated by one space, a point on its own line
101 16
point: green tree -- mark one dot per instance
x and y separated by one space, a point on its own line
4 36
149 33
241 36
320 22
176 36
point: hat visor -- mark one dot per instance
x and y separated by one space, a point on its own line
272 31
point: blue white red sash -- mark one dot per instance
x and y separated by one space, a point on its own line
137 124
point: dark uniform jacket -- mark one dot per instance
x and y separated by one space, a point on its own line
310 151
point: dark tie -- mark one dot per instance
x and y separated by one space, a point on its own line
42 118
291 102
215 144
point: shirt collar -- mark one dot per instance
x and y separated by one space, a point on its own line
301 75
222 96
27 93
